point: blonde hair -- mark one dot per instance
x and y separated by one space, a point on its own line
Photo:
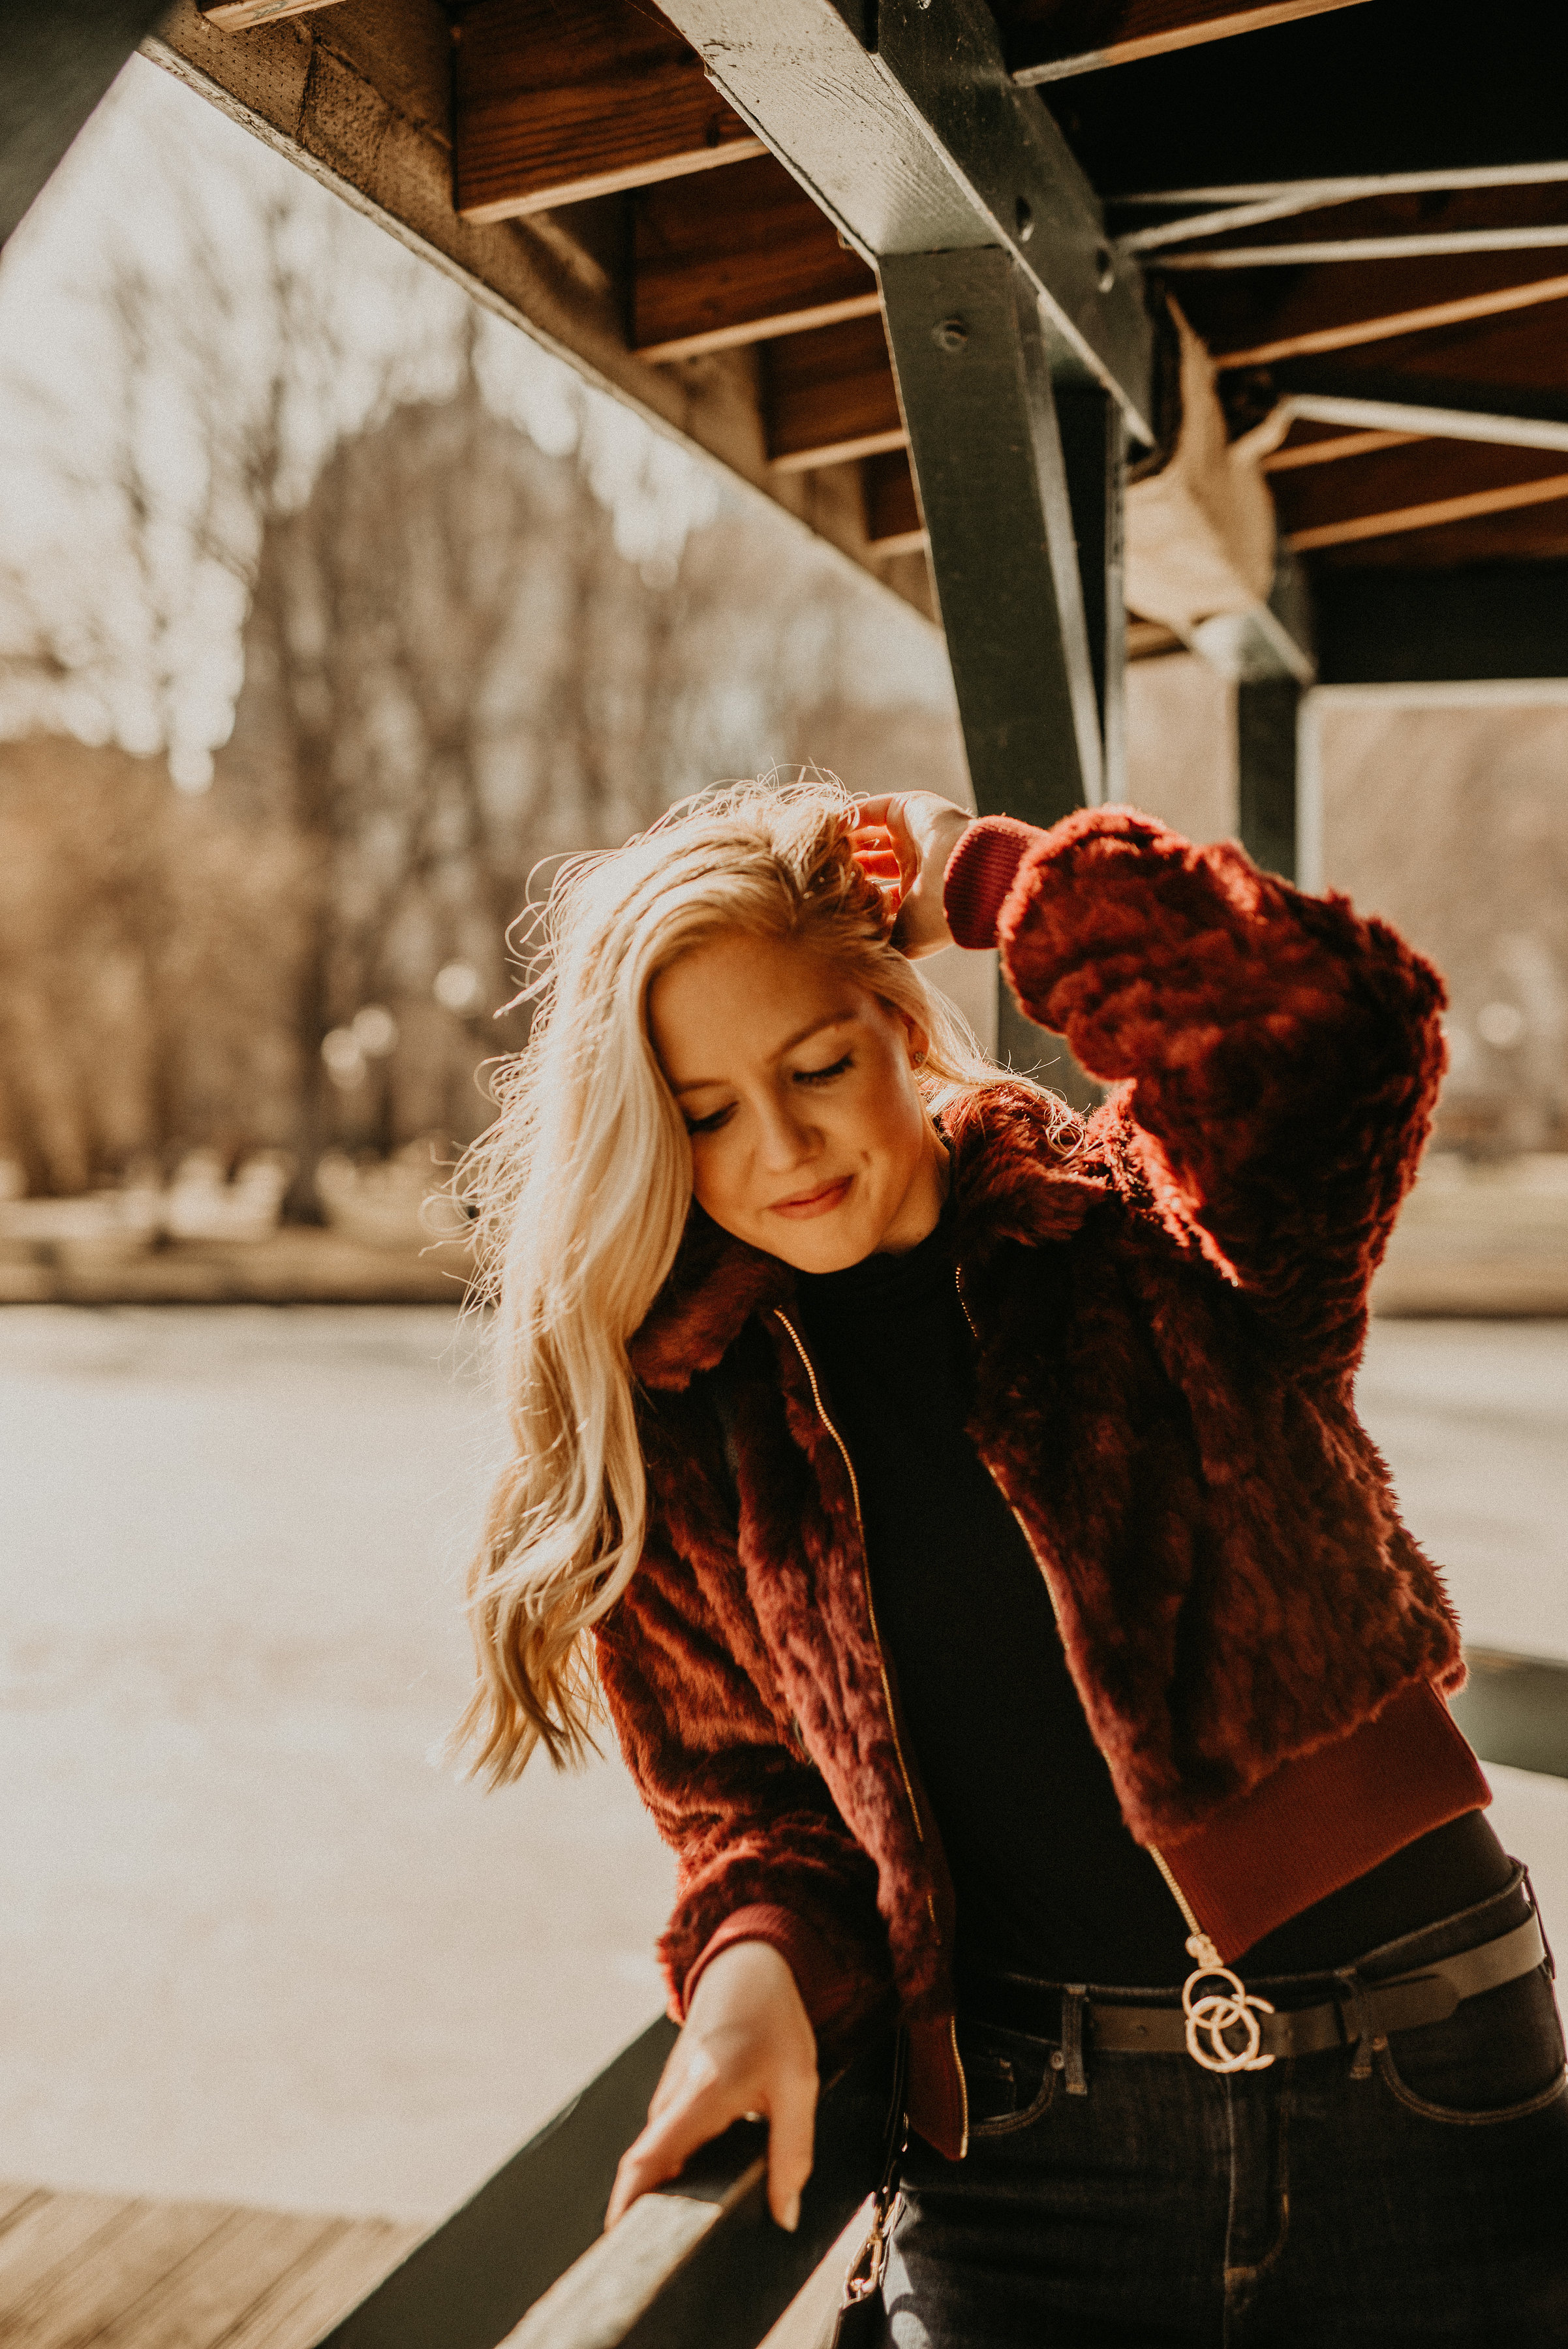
584 1185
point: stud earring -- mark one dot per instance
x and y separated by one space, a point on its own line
918 1060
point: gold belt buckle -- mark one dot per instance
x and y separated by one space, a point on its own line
1211 2014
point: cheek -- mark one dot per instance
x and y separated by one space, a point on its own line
715 1177
885 1122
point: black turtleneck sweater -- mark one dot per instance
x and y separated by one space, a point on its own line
1049 1882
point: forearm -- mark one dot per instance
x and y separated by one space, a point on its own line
1278 1056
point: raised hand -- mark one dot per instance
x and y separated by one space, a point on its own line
905 839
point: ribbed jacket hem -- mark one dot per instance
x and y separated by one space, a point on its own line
1314 1824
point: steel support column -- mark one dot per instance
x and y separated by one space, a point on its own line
1093 451
1021 488
1266 712
976 394
56 63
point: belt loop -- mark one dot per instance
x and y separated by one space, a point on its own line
1351 1998
1539 1924
1073 2038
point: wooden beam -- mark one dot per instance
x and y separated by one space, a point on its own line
829 396
1389 422
894 523
1048 40
239 15
360 97
1284 197
1383 325
552 106
765 261
1335 250
1347 215
1328 452
1430 515
1151 640
912 139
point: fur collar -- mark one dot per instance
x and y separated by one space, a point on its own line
1024 1169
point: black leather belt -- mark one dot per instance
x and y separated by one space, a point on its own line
1360 2008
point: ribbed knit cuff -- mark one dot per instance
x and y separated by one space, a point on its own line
800 1948
979 873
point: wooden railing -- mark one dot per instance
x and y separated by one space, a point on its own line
698 2264
525 2261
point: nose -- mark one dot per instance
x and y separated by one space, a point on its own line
789 1139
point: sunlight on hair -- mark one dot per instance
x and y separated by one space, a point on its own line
583 1187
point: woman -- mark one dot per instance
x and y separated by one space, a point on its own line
1002 1611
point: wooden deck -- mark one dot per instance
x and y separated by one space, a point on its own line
117 2274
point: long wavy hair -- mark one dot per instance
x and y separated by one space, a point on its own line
584 1185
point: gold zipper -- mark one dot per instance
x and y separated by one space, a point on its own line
1199 1944
964 2088
865 1571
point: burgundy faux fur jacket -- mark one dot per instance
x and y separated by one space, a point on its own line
1169 1303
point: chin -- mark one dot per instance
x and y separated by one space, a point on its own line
823 1251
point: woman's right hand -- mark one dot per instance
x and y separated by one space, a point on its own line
747 2048
919 830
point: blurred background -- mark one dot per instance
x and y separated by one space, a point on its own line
332 612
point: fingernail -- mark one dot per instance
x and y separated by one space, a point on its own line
791 2219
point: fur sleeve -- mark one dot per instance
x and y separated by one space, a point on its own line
1277 1059
749 1817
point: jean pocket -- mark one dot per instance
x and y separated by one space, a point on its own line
1011 2081
1498 2057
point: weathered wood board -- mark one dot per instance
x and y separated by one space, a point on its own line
103 2269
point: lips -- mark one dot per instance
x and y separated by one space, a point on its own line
820 1202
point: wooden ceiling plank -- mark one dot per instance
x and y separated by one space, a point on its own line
1329 452
360 99
821 449
1309 195
765 262
552 108
1393 420
894 523
830 397
1341 218
1422 319
239 15
1052 40
1430 515
913 139
768 327
1435 244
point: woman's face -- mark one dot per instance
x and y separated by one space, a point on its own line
809 1138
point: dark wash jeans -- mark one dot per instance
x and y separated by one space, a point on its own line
1297 2208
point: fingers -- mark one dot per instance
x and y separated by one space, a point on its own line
663 2148
791 2129
705 2112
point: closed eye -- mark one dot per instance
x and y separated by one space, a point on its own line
710 1123
821 1076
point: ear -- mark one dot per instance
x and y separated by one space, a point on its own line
916 1037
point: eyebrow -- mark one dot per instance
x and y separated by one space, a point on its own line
834 1019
